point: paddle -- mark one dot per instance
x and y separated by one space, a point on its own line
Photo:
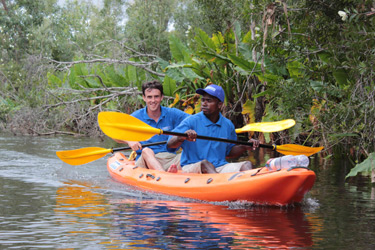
267 127
86 155
126 127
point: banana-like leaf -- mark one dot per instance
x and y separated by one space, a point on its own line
131 72
179 52
169 86
204 41
245 65
115 78
366 166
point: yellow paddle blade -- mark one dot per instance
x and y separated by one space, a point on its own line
125 127
82 155
293 149
267 127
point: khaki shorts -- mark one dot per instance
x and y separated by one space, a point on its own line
166 159
227 168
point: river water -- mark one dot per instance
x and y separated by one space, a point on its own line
47 204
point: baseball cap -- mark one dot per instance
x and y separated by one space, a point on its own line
213 90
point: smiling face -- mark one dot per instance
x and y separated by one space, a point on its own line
153 98
210 105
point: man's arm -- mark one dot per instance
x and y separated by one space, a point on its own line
135 145
238 150
176 141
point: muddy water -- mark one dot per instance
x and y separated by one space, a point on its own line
47 204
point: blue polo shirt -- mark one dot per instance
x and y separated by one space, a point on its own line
213 151
168 120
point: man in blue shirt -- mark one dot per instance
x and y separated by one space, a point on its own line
156 157
204 156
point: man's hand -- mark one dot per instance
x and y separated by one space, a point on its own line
134 145
255 144
192 135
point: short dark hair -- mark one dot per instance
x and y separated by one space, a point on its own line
152 85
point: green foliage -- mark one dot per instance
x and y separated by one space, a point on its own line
282 57
147 26
366 167
169 86
5 108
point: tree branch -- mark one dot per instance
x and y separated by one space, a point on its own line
143 66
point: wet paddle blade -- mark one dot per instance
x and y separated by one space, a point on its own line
267 127
293 149
82 155
125 127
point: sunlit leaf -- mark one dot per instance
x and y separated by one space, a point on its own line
218 40
296 69
247 37
249 108
204 41
366 166
189 109
53 80
197 107
175 101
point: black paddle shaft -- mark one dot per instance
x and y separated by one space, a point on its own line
144 145
219 139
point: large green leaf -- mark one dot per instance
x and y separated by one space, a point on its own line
247 38
218 40
317 85
81 71
131 73
92 82
204 41
115 78
169 86
179 52
175 74
246 51
190 74
237 30
268 77
341 77
326 57
366 166
53 80
178 65
246 66
72 79
214 57
296 69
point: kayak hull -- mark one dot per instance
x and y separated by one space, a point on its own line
259 186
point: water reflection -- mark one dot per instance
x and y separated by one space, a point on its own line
196 225
165 224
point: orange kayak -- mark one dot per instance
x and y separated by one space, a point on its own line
260 186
